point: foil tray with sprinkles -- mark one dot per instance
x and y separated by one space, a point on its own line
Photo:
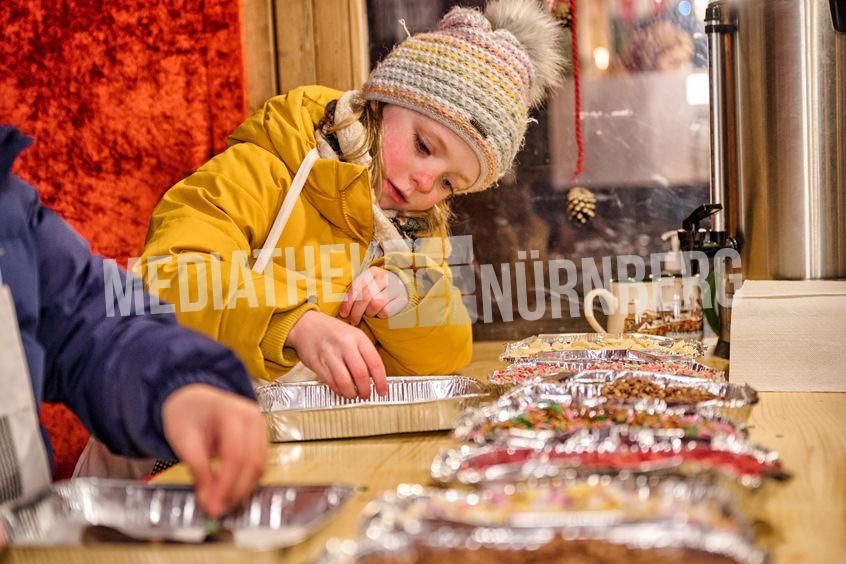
558 366
729 457
665 391
563 344
544 413
613 519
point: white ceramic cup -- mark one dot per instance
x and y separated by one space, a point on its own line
668 296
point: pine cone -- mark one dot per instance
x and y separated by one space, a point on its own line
581 205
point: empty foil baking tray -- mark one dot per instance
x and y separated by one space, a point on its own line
311 410
75 512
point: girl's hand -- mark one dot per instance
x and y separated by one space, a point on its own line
202 423
340 354
376 293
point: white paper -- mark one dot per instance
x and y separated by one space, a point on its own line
18 415
790 335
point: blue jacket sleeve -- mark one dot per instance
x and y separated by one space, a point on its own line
115 371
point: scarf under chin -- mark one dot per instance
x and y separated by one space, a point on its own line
389 231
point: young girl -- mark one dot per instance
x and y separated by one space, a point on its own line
352 278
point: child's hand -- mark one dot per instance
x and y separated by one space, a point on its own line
340 354
376 293
201 423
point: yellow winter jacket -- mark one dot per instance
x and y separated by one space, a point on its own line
205 233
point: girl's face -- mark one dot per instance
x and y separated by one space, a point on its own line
424 160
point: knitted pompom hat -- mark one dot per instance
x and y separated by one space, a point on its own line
478 74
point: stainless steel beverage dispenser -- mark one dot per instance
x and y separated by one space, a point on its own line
778 137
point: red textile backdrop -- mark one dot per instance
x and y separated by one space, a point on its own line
123 99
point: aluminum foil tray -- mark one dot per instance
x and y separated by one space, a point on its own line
273 517
310 410
502 422
560 366
520 373
734 401
506 523
645 453
602 355
578 503
677 544
565 343
620 355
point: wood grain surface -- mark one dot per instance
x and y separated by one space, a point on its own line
321 42
807 514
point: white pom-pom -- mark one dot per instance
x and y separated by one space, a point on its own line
539 33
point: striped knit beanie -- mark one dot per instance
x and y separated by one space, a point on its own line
478 74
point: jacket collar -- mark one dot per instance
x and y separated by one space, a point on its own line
285 126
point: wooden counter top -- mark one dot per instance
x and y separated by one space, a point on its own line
807 429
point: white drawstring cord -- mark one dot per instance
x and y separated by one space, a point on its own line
266 253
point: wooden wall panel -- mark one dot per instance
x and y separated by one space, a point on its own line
332 43
296 43
321 42
258 39
359 42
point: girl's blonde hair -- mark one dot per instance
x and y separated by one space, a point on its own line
370 115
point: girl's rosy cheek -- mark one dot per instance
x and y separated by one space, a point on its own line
396 158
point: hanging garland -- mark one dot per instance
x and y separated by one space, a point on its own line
565 10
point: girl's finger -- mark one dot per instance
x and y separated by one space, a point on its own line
392 307
326 375
368 283
345 305
343 381
358 309
359 372
395 287
374 365
355 293
376 304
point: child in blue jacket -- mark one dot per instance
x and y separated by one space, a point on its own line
141 384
